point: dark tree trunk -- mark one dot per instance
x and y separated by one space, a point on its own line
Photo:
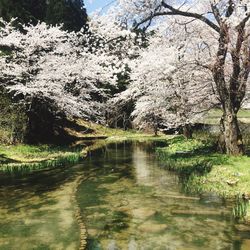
156 129
187 131
231 94
230 140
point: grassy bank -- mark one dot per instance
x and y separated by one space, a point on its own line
214 116
207 171
27 158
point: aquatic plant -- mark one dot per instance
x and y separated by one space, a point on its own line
240 208
67 159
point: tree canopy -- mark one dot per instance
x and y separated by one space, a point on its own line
217 33
71 13
184 59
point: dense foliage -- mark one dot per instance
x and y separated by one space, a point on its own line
166 86
13 120
73 72
70 13
216 35
174 63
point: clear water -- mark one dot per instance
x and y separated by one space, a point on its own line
127 200
38 212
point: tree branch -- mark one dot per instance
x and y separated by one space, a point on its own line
176 12
216 13
230 8
200 17
149 18
243 22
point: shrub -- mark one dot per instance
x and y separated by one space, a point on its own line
13 120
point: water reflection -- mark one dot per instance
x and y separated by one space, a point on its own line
128 201
134 203
37 212
142 169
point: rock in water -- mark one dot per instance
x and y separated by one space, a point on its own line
149 227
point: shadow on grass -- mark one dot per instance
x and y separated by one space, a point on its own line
198 161
193 167
5 160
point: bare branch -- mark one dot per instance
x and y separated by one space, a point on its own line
175 12
200 17
244 21
216 13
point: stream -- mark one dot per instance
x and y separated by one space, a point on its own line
127 200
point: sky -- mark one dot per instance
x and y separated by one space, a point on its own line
92 5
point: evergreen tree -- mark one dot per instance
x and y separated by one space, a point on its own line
26 11
71 13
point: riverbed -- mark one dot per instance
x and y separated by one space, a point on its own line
126 200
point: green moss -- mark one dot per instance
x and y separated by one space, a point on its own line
42 247
118 221
200 241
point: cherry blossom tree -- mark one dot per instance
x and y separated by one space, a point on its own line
225 31
166 87
72 69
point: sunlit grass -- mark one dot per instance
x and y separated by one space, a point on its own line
228 179
227 176
100 130
207 171
63 160
214 115
33 153
27 158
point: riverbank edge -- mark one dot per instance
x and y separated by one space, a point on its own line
207 171
25 159
85 152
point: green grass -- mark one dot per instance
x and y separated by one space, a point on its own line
23 168
186 156
33 153
214 115
243 113
217 170
103 131
229 179
27 158
207 171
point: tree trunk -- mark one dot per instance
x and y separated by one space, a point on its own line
230 141
156 129
187 131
